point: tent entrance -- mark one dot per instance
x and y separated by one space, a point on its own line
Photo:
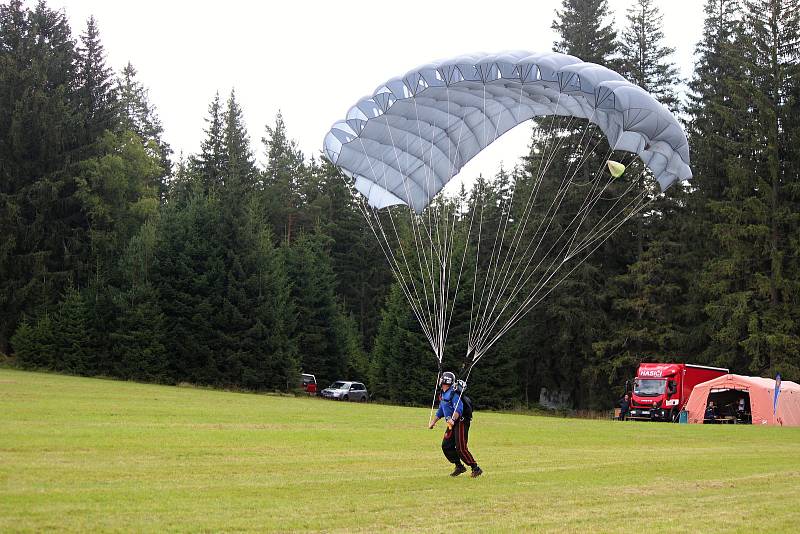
729 406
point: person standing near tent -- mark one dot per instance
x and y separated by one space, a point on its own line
454 443
711 413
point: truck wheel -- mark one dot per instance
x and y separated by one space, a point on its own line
345 398
364 398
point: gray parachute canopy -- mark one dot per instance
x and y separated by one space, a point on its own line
405 142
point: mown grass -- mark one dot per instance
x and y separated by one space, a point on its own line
82 454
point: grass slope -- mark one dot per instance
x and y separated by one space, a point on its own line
82 454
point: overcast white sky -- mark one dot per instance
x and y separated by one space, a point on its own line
314 59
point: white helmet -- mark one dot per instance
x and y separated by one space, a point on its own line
447 378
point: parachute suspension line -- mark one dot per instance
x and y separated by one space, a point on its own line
586 207
533 196
489 325
470 343
523 280
461 268
441 317
428 173
435 299
416 233
548 157
495 295
601 224
527 306
510 206
390 256
493 258
553 207
394 264
596 232
435 390
441 259
446 323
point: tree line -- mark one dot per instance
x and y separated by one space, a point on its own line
119 260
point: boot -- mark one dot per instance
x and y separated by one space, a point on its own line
458 470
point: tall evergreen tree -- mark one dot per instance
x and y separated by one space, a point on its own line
96 88
240 168
223 290
583 31
645 60
712 129
209 165
138 115
282 179
713 139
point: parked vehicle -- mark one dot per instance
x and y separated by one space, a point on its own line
346 391
309 383
660 390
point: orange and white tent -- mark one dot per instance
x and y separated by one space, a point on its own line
761 392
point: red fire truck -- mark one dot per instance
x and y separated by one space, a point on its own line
660 390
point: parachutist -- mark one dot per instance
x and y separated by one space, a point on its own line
394 148
456 408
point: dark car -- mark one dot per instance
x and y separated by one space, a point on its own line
346 391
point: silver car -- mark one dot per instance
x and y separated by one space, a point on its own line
346 391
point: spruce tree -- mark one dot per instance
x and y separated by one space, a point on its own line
138 115
137 337
239 169
282 179
583 31
713 139
769 39
712 129
209 165
645 60
97 92
118 192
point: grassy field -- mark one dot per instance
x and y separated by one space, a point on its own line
83 454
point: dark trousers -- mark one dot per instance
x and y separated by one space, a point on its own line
454 444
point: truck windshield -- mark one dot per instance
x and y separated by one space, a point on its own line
649 388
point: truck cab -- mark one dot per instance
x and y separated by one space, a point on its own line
660 390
